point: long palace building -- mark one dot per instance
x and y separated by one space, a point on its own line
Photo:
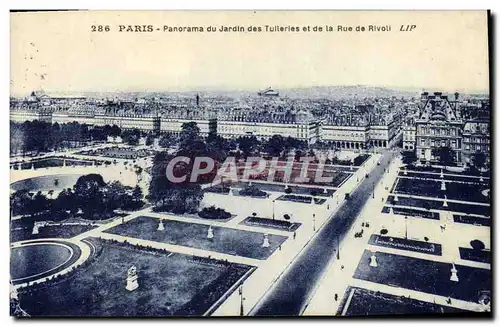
356 127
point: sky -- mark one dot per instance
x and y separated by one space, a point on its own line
58 52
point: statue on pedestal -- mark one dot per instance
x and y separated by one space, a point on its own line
36 226
210 233
441 175
373 260
265 244
132 279
445 203
443 185
405 173
161 227
396 198
454 276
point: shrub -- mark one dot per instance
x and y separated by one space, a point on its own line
286 217
383 231
288 190
252 191
214 213
477 245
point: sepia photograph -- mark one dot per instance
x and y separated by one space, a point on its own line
250 163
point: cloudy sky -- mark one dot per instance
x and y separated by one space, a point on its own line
58 51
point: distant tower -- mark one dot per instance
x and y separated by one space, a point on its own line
197 100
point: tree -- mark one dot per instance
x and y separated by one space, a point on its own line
275 146
445 155
149 140
20 202
65 201
478 160
131 136
165 140
89 195
248 145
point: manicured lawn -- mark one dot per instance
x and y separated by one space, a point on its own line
301 199
438 204
475 220
438 170
366 303
411 212
429 188
272 224
118 152
406 244
482 256
448 177
320 192
62 231
168 285
337 176
55 162
226 240
424 276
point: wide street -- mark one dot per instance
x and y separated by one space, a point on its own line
288 296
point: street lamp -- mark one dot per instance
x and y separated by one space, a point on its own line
338 247
406 227
273 207
314 222
242 313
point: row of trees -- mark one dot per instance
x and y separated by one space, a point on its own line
93 197
446 156
38 136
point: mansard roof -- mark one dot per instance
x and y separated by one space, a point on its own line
438 108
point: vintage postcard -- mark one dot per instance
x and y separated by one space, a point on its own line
250 163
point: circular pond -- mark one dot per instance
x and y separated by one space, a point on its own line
46 183
35 260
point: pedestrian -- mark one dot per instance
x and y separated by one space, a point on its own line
336 297
294 235
342 267
279 247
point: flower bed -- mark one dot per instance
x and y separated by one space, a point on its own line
268 223
301 199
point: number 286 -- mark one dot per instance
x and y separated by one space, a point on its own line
100 28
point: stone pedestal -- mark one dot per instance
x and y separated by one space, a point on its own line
132 283
35 229
265 243
161 227
373 261
445 203
443 185
441 175
210 233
